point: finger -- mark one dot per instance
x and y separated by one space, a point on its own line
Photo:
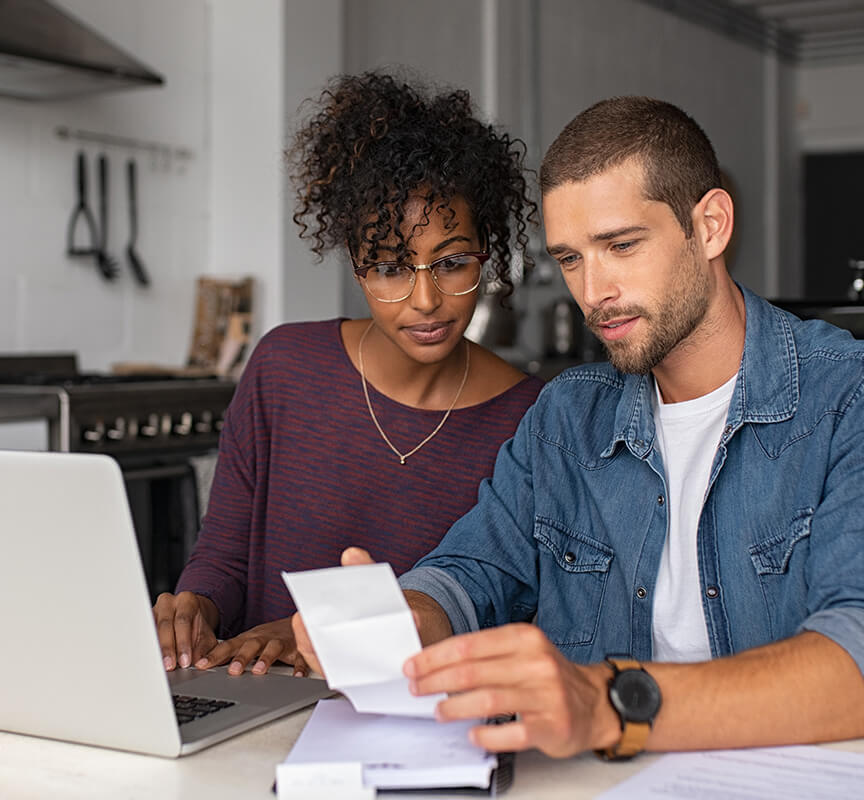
352 556
248 650
163 616
513 641
185 611
271 651
304 644
301 668
505 737
542 670
219 654
486 703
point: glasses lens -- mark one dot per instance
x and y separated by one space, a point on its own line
389 281
457 274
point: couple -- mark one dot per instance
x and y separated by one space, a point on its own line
670 553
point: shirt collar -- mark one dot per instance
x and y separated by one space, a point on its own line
766 389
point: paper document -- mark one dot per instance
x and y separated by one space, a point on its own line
362 631
395 753
793 773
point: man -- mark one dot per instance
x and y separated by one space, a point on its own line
691 510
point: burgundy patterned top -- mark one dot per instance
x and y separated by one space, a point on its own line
303 473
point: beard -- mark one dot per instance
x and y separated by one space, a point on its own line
670 323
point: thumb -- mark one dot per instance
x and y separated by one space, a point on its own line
353 556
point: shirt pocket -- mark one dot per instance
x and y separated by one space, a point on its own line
574 569
779 563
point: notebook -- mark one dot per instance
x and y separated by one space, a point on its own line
81 661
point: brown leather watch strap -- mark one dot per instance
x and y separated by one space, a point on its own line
634 735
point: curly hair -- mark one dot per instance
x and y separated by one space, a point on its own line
374 141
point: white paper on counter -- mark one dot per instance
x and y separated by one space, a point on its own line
394 752
794 773
362 631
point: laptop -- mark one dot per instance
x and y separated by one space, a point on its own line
81 660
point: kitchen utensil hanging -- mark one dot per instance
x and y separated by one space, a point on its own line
107 264
135 263
82 216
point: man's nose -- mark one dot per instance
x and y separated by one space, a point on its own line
598 284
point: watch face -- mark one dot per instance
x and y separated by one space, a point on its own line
635 695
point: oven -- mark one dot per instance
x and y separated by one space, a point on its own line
163 430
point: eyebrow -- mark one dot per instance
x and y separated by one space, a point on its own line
438 247
605 236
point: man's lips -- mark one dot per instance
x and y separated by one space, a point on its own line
614 329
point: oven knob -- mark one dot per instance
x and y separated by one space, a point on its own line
205 424
218 424
184 426
165 425
150 428
118 432
94 434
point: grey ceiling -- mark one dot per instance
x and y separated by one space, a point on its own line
808 31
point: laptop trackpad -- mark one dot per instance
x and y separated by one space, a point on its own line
260 690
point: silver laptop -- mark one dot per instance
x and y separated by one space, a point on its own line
81 661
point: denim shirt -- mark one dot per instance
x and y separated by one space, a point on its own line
571 526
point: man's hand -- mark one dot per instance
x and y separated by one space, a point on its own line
562 707
352 556
262 644
185 624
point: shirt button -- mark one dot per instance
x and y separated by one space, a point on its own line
712 591
660 500
569 557
727 430
641 593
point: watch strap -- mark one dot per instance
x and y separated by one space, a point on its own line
634 735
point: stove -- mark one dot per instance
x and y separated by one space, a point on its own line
163 430
122 415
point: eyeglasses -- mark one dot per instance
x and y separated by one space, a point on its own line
393 281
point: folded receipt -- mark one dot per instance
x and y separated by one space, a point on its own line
362 631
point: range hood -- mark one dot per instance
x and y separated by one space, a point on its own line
47 54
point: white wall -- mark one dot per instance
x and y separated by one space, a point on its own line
51 302
234 70
830 111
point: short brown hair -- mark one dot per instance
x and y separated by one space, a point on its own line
679 162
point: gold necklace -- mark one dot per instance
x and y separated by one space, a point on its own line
403 456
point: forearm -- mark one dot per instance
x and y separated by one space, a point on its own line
433 625
799 690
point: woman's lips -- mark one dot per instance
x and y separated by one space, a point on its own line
617 328
428 333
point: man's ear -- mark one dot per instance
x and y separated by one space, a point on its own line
713 221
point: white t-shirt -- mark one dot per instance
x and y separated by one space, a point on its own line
687 436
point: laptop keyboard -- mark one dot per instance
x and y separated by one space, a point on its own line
188 708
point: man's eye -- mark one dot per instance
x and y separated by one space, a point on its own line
623 247
569 261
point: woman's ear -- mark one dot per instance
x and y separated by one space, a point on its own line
713 221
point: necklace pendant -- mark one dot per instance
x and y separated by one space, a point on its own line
401 459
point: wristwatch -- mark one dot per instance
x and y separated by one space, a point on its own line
636 698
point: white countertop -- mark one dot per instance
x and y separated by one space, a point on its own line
245 766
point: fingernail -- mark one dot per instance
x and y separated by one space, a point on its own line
259 667
202 663
299 673
236 668
409 669
185 660
412 687
168 662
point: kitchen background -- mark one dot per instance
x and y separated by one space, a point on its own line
776 85
213 198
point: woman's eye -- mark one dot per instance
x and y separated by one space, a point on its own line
388 270
451 264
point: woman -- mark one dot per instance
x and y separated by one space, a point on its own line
373 432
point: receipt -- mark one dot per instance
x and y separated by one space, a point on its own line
362 631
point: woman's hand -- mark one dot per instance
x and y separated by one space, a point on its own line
185 624
263 644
